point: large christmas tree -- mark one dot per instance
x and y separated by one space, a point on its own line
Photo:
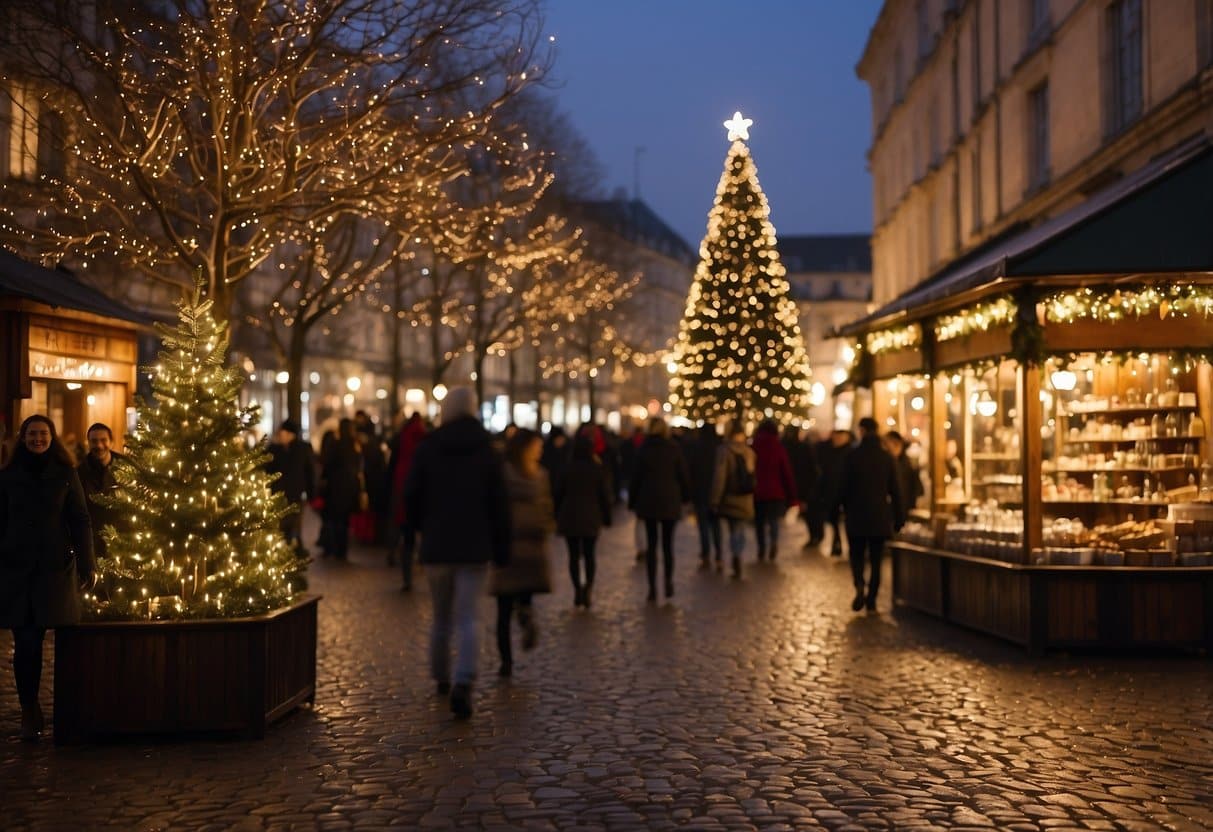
197 528
740 352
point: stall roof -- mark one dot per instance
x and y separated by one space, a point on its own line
59 288
1154 220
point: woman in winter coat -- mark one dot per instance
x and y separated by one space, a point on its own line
733 490
341 485
531 526
409 438
774 487
46 554
660 485
583 507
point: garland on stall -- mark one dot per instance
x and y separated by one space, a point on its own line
862 372
979 318
891 340
1028 334
1111 305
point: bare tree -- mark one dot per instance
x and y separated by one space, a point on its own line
206 134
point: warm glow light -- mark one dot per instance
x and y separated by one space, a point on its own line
353 384
738 127
918 403
1063 379
986 406
283 377
439 392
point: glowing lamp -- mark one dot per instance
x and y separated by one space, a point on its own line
439 392
986 405
1063 379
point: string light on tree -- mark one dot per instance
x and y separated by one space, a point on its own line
199 532
740 352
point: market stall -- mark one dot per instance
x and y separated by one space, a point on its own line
1060 392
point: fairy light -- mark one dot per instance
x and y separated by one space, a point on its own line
739 348
981 317
891 340
1179 300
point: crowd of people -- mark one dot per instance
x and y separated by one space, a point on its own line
479 512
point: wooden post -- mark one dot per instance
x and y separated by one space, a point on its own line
939 440
1030 458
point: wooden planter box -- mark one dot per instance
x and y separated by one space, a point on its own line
221 676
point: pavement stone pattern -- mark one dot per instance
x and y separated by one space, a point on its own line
759 704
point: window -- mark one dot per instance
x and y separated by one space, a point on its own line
52 160
1038 21
975 185
22 132
1204 33
924 30
1123 64
1038 136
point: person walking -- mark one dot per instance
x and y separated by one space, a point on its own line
660 485
342 486
803 457
291 459
774 488
907 474
46 554
583 506
531 525
870 495
456 499
733 490
97 477
701 465
403 452
830 454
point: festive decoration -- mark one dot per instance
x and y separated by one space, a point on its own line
739 349
1109 305
891 340
198 534
738 127
979 318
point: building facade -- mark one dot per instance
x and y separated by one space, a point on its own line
831 280
989 116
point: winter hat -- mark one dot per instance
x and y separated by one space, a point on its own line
290 426
459 402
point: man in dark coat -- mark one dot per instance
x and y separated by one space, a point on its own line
97 477
803 457
830 454
46 554
871 498
659 487
291 458
701 465
907 474
455 495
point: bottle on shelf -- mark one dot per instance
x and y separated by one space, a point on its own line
1157 425
1206 480
1196 426
1171 424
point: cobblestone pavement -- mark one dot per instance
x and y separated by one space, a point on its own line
764 704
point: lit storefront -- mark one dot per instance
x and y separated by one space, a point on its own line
70 352
1060 391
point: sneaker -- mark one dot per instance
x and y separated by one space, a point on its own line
859 601
461 701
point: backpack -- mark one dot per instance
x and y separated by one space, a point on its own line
743 477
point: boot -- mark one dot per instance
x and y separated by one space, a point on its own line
736 567
530 634
585 595
461 701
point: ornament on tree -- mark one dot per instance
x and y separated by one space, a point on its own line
740 352
198 526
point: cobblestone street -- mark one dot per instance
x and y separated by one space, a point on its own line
764 703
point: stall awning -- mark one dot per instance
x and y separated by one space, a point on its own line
55 287
1156 219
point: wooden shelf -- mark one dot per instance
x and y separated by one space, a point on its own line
1135 409
1131 441
1119 502
1118 470
996 457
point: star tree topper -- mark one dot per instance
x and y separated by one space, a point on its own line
738 127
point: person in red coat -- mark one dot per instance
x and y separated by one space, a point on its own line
403 451
774 487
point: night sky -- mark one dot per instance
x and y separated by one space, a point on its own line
664 74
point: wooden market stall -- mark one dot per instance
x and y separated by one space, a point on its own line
1060 385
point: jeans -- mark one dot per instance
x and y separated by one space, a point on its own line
767 516
667 551
709 531
27 662
581 549
506 604
874 548
455 590
736 537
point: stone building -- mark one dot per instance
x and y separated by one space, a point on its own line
989 116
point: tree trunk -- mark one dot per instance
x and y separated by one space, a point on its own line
478 368
511 390
294 367
397 325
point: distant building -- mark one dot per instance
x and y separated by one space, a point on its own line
831 281
989 116
630 236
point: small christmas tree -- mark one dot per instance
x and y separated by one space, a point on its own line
740 351
198 533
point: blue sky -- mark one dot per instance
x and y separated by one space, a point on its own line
664 75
